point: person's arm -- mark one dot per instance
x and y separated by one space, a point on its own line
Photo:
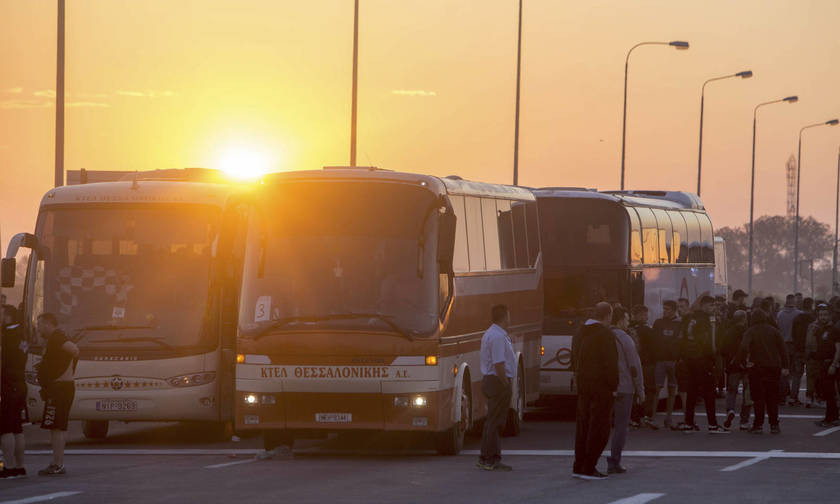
635 364
497 354
744 348
70 348
835 363
609 354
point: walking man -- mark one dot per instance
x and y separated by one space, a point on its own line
799 334
12 394
497 365
827 356
736 373
785 322
666 333
647 352
595 360
55 375
630 385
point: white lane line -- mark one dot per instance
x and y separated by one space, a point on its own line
827 432
678 454
806 417
226 464
749 462
638 498
41 498
185 451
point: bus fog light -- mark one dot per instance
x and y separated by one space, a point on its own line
400 401
431 360
191 380
419 401
240 358
251 399
268 399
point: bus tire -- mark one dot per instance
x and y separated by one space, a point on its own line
95 429
451 441
513 425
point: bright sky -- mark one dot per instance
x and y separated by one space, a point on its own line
162 84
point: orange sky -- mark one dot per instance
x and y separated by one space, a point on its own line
160 84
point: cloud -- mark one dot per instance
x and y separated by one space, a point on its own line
146 94
45 93
88 104
24 104
14 90
413 92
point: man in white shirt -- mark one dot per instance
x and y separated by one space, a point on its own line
497 366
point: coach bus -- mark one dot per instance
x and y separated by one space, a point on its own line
634 247
365 294
128 269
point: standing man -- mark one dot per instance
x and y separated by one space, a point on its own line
497 365
739 302
647 353
55 375
697 352
812 365
12 393
595 361
785 323
736 374
666 333
799 333
827 356
630 385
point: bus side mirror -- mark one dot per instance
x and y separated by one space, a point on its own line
8 268
446 239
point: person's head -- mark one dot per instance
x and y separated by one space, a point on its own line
47 324
739 297
798 299
683 306
669 309
760 317
790 301
9 314
808 304
823 314
756 304
640 314
603 313
739 317
767 305
620 318
500 315
707 304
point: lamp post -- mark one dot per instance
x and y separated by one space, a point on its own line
355 83
789 99
516 121
836 237
832 122
677 44
59 98
745 74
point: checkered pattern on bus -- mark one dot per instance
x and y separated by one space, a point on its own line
73 280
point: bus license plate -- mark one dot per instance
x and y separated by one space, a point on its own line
333 417
116 405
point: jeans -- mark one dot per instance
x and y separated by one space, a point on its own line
621 424
764 387
592 429
733 379
700 383
498 403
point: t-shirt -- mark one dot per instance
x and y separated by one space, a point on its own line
667 338
496 347
55 359
14 350
827 337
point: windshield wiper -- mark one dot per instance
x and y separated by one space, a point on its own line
335 316
150 339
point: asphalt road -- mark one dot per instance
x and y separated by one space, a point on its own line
174 463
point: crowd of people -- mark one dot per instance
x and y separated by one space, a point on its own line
710 349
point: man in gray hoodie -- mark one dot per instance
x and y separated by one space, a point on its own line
630 385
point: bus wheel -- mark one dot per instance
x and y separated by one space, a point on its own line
95 429
515 415
451 441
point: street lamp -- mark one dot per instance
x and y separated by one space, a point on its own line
677 44
832 122
836 222
355 86
746 74
789 99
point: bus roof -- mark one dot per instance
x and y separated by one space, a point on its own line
438 185
653 199
142 191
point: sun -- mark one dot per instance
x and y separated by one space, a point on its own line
244 162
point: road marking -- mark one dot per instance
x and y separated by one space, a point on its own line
667 453
118 451
749 462
807 417
226 464
41 498
639 498
827 431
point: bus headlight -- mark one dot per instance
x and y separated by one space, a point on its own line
191 380
250 399
418 401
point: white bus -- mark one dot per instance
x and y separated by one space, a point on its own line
635 247
129 270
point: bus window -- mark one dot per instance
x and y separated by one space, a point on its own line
582 232
491 235
461 261
650 235
679 245
665 235
635 237
475 233
533 232
708 253
505 226
695 238
520 234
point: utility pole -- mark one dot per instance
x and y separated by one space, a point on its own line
516 120
355 84
59 99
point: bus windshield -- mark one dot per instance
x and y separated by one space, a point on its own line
341 255
582 232
120 276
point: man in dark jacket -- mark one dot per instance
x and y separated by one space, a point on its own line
768 362
736 374
797 356
12 393
697 352
666 332
595 360
645 340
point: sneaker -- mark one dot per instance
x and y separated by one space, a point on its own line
594 476
635 425
619 469
730 415
717 429
745 426
498 466
282 452
20 472
7 473
684 427
648 422
757 430
774 429
484 465
52 470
